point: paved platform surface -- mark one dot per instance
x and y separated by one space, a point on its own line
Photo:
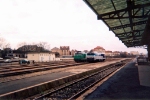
132 82
23 83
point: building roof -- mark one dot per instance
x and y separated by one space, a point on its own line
7 49
64 47
40 52
116 52
32 48
55 48
99 47
125 18
108 51
86 51
74 50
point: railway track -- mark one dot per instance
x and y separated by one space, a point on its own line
25 69
10 66
18 70
14 68
74 89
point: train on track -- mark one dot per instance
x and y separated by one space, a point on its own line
88 57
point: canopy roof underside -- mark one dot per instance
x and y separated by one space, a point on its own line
126 18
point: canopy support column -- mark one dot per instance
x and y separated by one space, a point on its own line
148 50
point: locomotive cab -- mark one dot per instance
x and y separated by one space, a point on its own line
80 56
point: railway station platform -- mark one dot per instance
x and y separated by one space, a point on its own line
25 83
132 82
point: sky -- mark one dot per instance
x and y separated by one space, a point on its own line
57 22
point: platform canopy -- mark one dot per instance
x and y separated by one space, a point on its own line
126 18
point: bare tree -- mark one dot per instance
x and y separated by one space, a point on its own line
41 44
21 44
33 43
48 47
4 43
44 45
7 45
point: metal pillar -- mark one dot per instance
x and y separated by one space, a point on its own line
148 49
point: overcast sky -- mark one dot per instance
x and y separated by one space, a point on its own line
58 22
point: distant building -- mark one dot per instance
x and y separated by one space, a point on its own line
86 51
91 50
28 48
134 52
0 53
65 50
57 51
73 52
8 53
123 54
116 53
41 56
108 53
126 53
99 49
22 51
19 54
34 48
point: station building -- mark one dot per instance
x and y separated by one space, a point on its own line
41 56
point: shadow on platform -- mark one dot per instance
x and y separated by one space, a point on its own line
124 85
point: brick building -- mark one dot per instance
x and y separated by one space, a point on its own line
65 50
99 49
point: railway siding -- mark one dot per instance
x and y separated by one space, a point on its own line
55 66
40 88
19 71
